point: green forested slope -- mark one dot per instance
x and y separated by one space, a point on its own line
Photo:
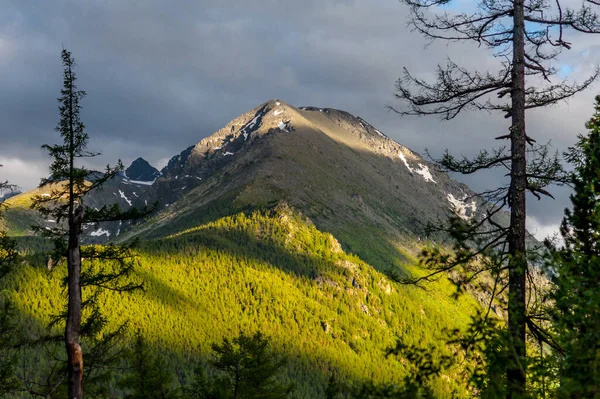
271 271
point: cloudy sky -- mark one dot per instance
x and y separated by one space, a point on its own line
161 75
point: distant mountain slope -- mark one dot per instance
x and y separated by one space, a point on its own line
120 190
340 171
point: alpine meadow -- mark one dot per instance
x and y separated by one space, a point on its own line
186 233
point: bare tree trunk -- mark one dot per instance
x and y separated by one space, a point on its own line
74 353
516 369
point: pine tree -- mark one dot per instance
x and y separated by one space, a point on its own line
69 183
8 358
250 367
148 377
576 269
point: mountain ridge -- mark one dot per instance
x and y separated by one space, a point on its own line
335 167
278 142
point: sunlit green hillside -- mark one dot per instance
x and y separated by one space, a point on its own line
271 271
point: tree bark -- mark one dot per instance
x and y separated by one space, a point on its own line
516 367
74 354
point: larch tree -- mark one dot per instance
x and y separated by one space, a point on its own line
525 36
69 182
576 271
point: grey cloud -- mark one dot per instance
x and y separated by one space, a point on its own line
163 75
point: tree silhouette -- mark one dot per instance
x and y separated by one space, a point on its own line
69 184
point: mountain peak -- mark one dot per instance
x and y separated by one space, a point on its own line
326 162
264 124
141 170
275 102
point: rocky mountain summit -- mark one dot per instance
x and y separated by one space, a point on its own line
141 170
336 168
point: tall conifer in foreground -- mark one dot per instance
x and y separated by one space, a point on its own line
69 183
576 267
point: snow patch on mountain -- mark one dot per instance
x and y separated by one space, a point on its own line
403 158
100 232
139 182
125 197
423 170
462 209
283 126
250 126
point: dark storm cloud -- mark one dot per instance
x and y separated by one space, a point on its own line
163 75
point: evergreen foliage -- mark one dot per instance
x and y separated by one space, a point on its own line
204 387
333 390
148 376
250 366
69 183
576 271
8 356
247 369
269 271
